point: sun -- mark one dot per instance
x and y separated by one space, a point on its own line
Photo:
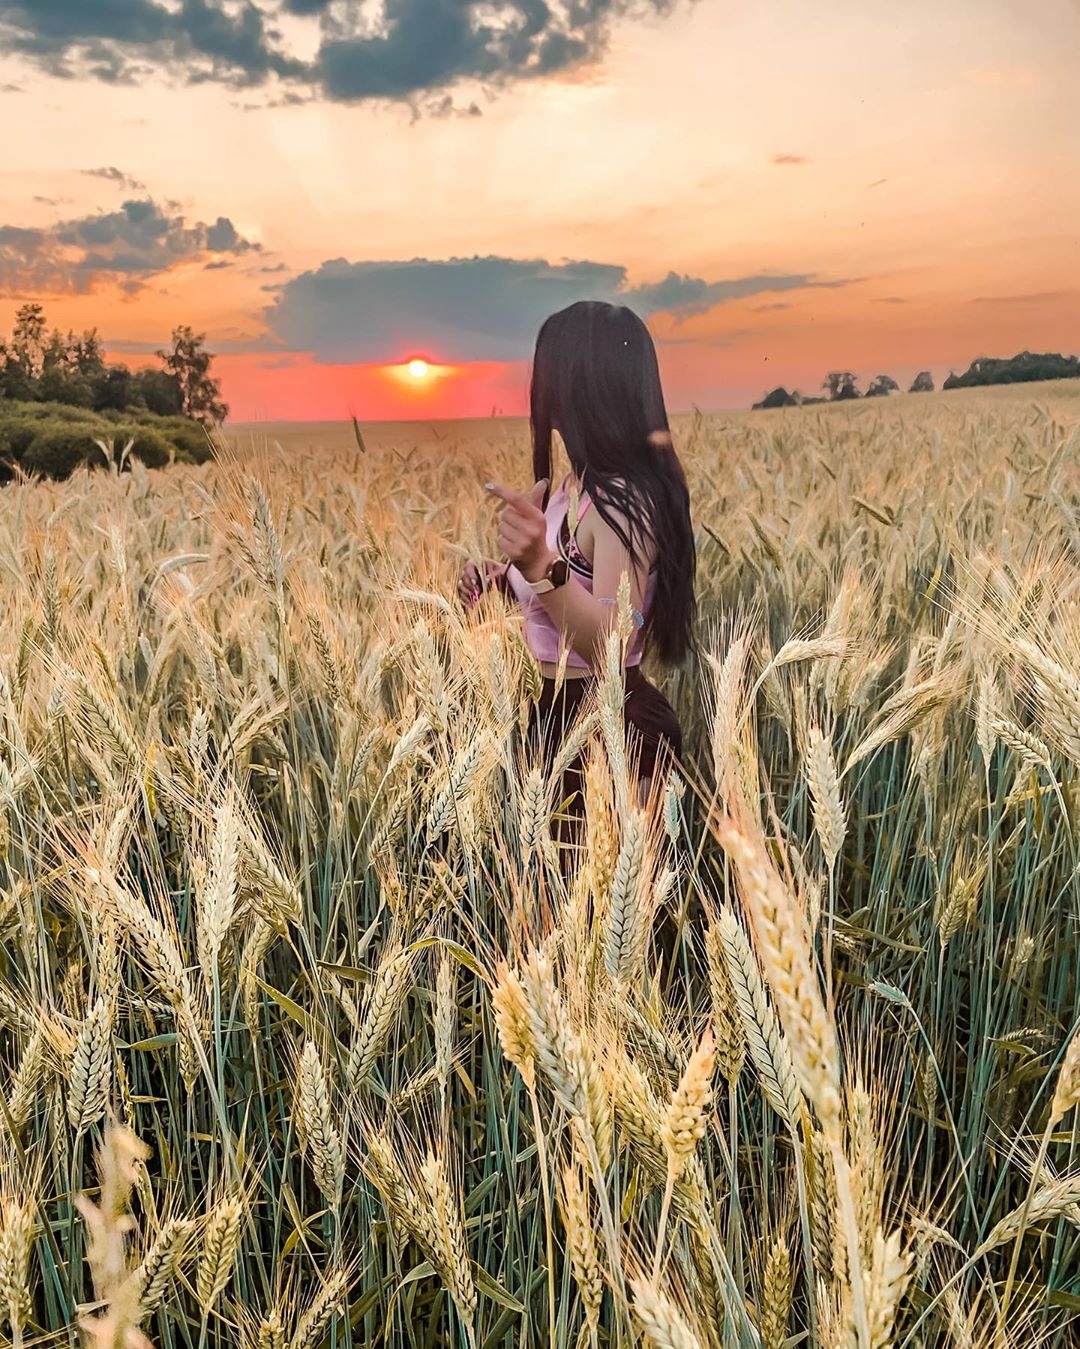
418 368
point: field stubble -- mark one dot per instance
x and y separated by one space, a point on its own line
286 944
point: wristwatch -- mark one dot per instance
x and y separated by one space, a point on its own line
556 575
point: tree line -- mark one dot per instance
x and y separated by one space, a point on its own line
39 365
842 386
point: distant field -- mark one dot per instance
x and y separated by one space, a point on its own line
279 891
483 435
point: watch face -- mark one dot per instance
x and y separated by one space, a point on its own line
559 572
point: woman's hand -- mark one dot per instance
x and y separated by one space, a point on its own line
523 529
468 586
470 583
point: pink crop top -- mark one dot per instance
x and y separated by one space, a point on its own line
544 640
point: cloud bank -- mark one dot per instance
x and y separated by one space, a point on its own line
395 49
472 308
128 247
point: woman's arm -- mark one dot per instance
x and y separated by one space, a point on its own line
586 619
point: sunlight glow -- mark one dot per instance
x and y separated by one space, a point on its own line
418 368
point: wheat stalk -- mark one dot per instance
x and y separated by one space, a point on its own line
788 965
160 1264
886 1279
578 1086
450 1236
767 1045
629 915
445 1018
389 989
313 1323
217 1259
322 1138
513 1022
581 1246
1067 1091
17 1223
829 816
89 1088
663 1324
108 1224
776 1297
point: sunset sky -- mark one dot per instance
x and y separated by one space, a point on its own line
329 188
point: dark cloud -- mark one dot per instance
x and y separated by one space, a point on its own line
790 159
889 299
416 47
129 246
10 88
769 308
471 308
117 176
121 40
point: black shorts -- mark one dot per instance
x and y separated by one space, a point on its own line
653 735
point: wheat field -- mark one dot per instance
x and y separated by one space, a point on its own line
311 1034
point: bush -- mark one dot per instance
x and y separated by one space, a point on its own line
53 438
58 450
193 445
16 435
148 444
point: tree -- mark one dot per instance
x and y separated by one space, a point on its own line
189 364
922 383
116 389
1026 366
840 384
29 339
160 391
779 398
882 386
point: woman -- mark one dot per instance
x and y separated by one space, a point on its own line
596 382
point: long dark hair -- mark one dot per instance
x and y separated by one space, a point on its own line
596 380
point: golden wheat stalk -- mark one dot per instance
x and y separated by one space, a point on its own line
328 1301
886 1280
389 989
27 1081
767 1044
578 1086
445 1022
788 964
686 1116
450 1236
17 1224
581 1246
513 1022
217 1259
726 1023
1059 1197
322 1137
629 914
776 1296
663 1324
217 901
89 1086
161 1263
829 817
1067 1091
